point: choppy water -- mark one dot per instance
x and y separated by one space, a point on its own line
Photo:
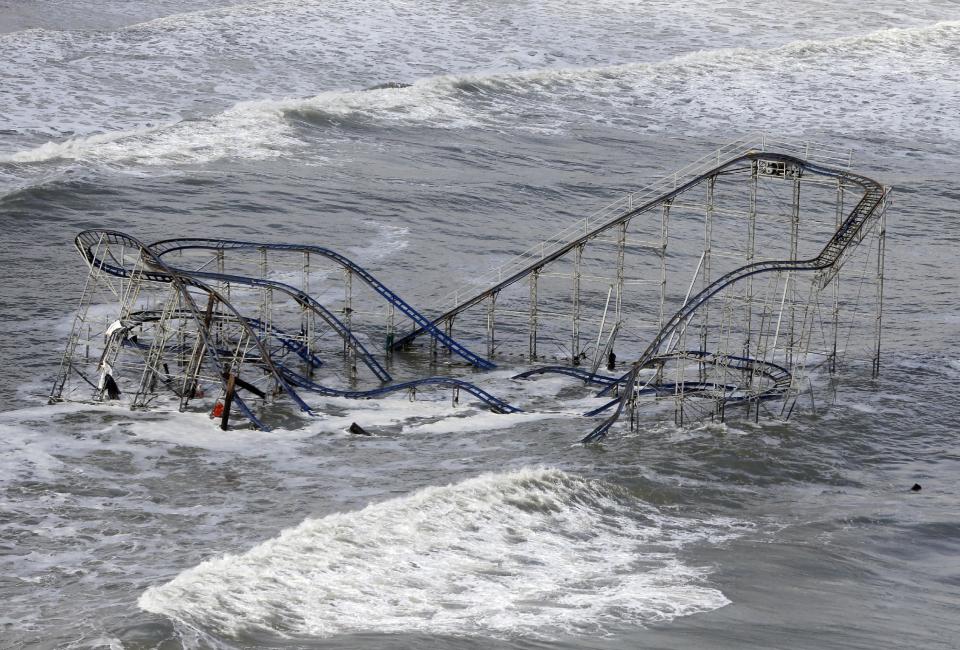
459 528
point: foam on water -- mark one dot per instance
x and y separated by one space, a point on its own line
248 130
534 552
388 240
74 82
257 129
920 90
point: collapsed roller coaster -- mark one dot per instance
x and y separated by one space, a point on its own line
727 284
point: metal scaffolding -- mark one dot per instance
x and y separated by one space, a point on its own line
723 286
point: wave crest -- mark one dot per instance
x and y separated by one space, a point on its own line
535 552
747 86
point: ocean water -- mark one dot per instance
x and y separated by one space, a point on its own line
458 528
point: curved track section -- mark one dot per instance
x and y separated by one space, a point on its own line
150 267
779 377
496 404
155 270
103 250
307 301
777 374
286 340
423 323
839 241
874 194
571 371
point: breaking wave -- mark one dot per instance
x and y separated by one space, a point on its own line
800 86
534 552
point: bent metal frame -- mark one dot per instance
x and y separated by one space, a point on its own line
725 286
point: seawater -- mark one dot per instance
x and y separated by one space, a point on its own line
457 527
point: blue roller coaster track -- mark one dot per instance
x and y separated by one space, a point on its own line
171 245
155 267
157 270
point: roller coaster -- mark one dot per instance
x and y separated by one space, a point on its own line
727 285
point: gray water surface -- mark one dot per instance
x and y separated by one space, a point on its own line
458 528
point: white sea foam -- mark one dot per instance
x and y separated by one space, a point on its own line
248 130
801 86
388 241
534 552
257 129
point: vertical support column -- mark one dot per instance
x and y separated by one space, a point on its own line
196 360
181 343
114 338
678 387
123 259
491 325
575 334
347 303
448 330
306 322
621 254
153 362
664 239
391 331
748 258
707 245
881 252
348 350
534 280
79 321
266 294
305 282
835 317
749 254
229 392
794 245
224 287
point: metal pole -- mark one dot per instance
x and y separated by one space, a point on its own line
707 243
347 305
264 318
491 325
575 335
664 238
448 330
621 252
776 333
794 245
881 253
751 251
307 314
835 325
603 321
534 279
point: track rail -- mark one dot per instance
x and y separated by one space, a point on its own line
151 268
88 241
286 340
496 404
560 250
830 256
307 301
423 323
